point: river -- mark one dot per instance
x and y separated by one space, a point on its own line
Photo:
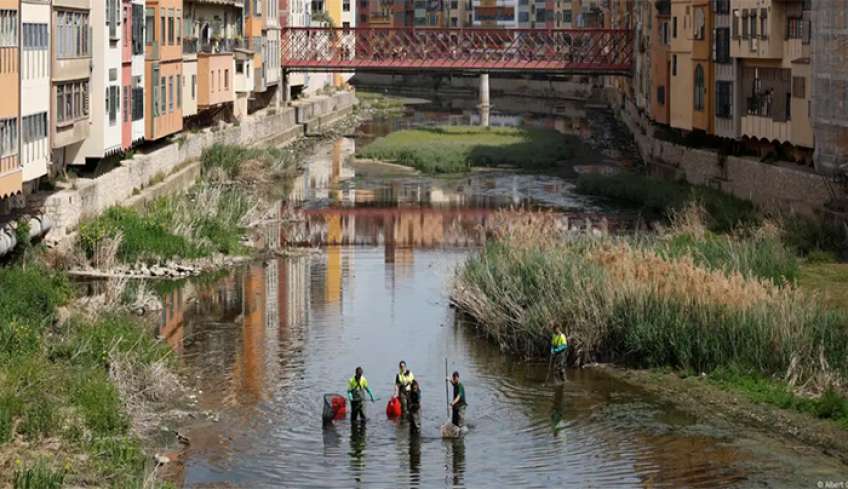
264 342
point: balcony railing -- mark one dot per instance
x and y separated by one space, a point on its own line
190 46
221 46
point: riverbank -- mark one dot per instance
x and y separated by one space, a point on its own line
688 298
88 395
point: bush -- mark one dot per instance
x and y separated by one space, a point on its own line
30 296
143 237
820 239
650 305
456 149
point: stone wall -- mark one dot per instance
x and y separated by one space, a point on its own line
169 166
780 187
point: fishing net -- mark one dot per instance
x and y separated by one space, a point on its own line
335 407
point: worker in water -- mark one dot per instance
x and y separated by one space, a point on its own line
559 352
458 403
403 383
414 413
355 386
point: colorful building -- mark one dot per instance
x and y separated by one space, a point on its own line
11 173
163 68
35 62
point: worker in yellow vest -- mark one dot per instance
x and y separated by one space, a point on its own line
403 384
355 386
559 352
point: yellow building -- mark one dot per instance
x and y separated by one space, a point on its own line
11 173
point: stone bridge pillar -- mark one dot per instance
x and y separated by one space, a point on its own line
484 100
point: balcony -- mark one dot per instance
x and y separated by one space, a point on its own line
220 46
190 46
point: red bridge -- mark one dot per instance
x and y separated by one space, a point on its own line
551 51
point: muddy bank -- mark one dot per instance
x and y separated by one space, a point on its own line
698 396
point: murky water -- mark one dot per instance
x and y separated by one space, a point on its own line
265 342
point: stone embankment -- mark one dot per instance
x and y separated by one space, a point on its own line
175 166
781 187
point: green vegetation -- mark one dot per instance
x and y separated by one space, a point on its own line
829 280
380 103
57 386
829 405
456 149
660 198
686 299
209 218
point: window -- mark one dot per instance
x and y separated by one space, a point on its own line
722 6
71 34
722 45
674 27
8 137
736 21
664 33
179 92
126 111
724 98
566 16
156 95
673 65
799 87
137 98
179 21
745 25
163 31
193 85
346 6
71 101
112 19
257 8
113 100
226 79
171 26
35 37
700 89
752 18
764 23
700 24
170 94
524 16
148 25
540 15
34 127
661 95
137 29
163 95
9 28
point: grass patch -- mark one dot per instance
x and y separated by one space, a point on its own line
39 476
829 405
55 384
456 149
829 280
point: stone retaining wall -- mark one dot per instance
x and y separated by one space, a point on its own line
780 187
169 166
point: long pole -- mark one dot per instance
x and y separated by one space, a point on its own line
447 397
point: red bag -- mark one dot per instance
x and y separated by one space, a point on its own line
393 407
339 407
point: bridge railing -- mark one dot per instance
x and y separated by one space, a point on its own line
603 51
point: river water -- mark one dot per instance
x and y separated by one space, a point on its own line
263 343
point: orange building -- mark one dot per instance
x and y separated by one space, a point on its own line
660 37
163 68
11 173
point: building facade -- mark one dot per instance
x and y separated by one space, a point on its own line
11 173
163 68
35 63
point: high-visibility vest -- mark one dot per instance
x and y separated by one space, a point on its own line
355 388
406 380
558 342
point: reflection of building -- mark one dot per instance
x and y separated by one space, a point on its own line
249 371
173 316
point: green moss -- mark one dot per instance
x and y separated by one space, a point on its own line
829 280
456 149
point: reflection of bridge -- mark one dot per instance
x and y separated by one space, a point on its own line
552 51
